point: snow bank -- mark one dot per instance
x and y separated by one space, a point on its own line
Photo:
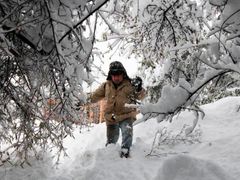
105 164
39 170
183 167
215 158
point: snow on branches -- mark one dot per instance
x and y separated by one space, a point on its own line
196 45
46 53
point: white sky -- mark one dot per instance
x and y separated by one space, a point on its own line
131 65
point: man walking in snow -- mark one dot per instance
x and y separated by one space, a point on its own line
118 90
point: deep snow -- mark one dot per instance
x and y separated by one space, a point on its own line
215 157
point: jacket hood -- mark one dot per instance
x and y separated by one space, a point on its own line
117 66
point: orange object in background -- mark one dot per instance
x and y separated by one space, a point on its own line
48 111
96 112
51 102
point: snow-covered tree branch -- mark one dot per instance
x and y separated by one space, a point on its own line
46 52
176 37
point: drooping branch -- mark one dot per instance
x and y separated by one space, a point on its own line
164 17
97 7
173 31
30 79
167 113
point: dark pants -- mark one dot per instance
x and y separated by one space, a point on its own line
126 130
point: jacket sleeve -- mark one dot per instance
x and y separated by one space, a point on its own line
141 95
98 94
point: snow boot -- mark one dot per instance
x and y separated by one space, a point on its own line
125 152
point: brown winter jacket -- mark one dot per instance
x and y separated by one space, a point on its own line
116 100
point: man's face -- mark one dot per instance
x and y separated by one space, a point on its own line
117 79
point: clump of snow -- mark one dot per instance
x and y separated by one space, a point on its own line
172 97
217 2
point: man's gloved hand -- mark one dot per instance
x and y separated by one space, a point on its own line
137 83
113 117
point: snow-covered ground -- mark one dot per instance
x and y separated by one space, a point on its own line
215 157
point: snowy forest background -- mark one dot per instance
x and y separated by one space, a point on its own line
187 51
